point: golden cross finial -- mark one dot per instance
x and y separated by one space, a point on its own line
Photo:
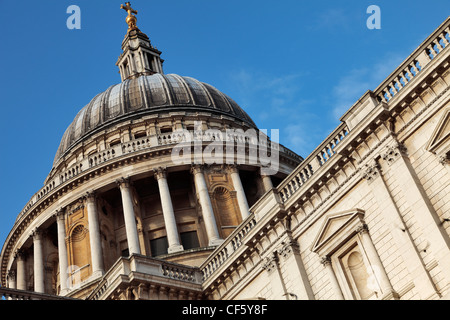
130 19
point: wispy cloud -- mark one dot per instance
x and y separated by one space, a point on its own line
352 85
333 20
280 102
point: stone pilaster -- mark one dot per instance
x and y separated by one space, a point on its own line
326 262
396 157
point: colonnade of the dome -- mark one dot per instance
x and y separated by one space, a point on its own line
88 235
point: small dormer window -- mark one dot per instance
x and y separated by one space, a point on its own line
165 130
141 134
114 143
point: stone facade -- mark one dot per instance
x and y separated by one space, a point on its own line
364 216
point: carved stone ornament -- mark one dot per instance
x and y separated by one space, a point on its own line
362 229
371 171
288 248
393 152
326 260
160 173
125 182
270 263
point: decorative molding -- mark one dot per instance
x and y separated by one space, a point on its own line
362 229
394 152
371 171
325 260
270 263
336 229
288 248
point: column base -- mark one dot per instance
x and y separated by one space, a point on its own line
175 248
215 242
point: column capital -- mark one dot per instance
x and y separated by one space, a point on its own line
123 182
90 195
393 152
326 261
270 263
60 214
37 234
371 171
11 274
197 168
20 254
160 173
289 247
362 229
232 168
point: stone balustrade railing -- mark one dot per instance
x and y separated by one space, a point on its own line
15 294
231 244
142 143
318 158
178 272
151 267
415 63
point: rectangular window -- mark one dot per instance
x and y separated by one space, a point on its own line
189 240
159 246
125 252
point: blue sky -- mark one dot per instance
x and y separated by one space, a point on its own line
293 65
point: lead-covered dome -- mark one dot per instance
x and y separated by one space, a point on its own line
144 95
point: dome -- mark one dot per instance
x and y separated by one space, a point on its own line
145 95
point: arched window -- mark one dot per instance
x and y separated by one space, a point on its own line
226 210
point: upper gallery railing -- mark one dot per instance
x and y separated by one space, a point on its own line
144 143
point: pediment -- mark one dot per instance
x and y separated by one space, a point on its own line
439 142
337 226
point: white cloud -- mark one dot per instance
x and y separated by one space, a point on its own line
356 82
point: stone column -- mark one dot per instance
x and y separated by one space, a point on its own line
94 235
129 216
240 193
21 270
62 251
11 279
267 182
326 261
169 216
207 209
39 274
376 264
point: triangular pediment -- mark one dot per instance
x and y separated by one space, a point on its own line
334 225
440 139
